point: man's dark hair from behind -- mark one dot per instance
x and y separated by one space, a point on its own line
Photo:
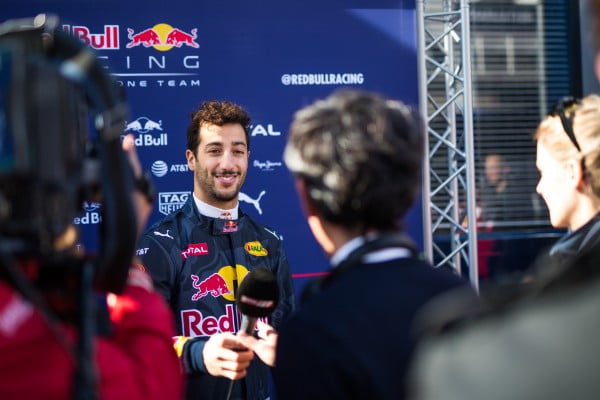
361 187
216 113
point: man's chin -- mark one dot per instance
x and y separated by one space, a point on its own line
226 195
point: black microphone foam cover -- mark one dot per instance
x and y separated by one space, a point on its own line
258 293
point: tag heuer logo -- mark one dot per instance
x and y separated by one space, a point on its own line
171 201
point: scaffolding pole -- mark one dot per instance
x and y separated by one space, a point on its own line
449 208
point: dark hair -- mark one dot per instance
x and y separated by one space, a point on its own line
217 113
360 156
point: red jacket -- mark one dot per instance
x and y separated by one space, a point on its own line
137 362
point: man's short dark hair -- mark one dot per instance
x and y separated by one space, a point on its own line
360 156
216 113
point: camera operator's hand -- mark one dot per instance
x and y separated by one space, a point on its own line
225 355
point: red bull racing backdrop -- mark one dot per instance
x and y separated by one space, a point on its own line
272 57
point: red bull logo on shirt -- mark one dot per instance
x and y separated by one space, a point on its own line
221 283
162 37
230 226
214 285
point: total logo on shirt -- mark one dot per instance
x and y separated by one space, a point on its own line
194 250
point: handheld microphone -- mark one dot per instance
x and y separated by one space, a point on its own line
258 295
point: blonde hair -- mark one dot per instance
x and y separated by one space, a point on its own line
585 119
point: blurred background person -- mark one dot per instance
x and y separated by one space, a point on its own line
496 190
72 324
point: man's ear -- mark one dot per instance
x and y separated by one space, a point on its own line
191 159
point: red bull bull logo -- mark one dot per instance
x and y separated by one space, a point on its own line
230 226
215 285
221 283
162 37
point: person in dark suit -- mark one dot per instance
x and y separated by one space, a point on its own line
356 158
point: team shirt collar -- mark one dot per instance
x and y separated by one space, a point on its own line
214 212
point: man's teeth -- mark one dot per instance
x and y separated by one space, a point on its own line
226 178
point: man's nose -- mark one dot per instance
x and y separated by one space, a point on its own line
227 160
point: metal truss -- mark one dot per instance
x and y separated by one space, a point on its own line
449 209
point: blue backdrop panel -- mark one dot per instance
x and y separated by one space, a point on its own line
272 57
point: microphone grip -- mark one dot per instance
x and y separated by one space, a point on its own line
248 324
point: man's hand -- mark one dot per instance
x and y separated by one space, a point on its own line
226 355
266 344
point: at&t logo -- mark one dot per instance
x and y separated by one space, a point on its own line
160 168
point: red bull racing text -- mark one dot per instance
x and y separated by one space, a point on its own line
108 40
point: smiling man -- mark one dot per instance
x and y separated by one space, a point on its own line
211 245
220 164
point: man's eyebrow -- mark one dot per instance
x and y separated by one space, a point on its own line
240 143
221 144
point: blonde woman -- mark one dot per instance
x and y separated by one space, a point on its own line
568 159
543 344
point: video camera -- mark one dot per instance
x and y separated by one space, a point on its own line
61 120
